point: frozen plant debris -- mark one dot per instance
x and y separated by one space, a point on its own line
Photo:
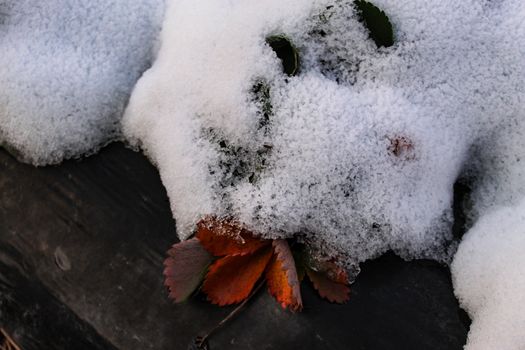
66 71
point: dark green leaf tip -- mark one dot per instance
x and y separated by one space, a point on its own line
377 23
286 52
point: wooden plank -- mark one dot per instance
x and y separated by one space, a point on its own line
35 319
93 233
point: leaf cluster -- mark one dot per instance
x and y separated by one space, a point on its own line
225 260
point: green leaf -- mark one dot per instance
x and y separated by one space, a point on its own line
377 23
286 52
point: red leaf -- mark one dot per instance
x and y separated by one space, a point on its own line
282 279
331 284
185 268
223 237
231 279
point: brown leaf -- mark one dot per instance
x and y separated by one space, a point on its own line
282 279
331 285
185 268
331 270
223 237
231 279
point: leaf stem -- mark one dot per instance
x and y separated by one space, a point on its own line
201 341
9 343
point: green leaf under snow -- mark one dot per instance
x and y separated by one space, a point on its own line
377 23
286 52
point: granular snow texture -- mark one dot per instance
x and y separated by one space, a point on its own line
67 68
489 280
360 150
357 153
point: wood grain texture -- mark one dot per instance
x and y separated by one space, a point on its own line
81 252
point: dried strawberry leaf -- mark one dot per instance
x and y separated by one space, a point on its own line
223 237
282 278
185 267
331 270
231 279
333 288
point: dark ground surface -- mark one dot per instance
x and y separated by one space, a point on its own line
81 252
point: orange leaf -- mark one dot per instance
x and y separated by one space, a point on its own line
282 279
333 291
185 268
231 279
223 237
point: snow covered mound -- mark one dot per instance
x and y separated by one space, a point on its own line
489 280
354 144
359 149
67 68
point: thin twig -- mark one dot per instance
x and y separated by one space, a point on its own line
9 343
201 340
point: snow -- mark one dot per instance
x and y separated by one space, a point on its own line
489 279
450 81
67 69
357 154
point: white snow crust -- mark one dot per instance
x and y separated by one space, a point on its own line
67 68
453 79
489 279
